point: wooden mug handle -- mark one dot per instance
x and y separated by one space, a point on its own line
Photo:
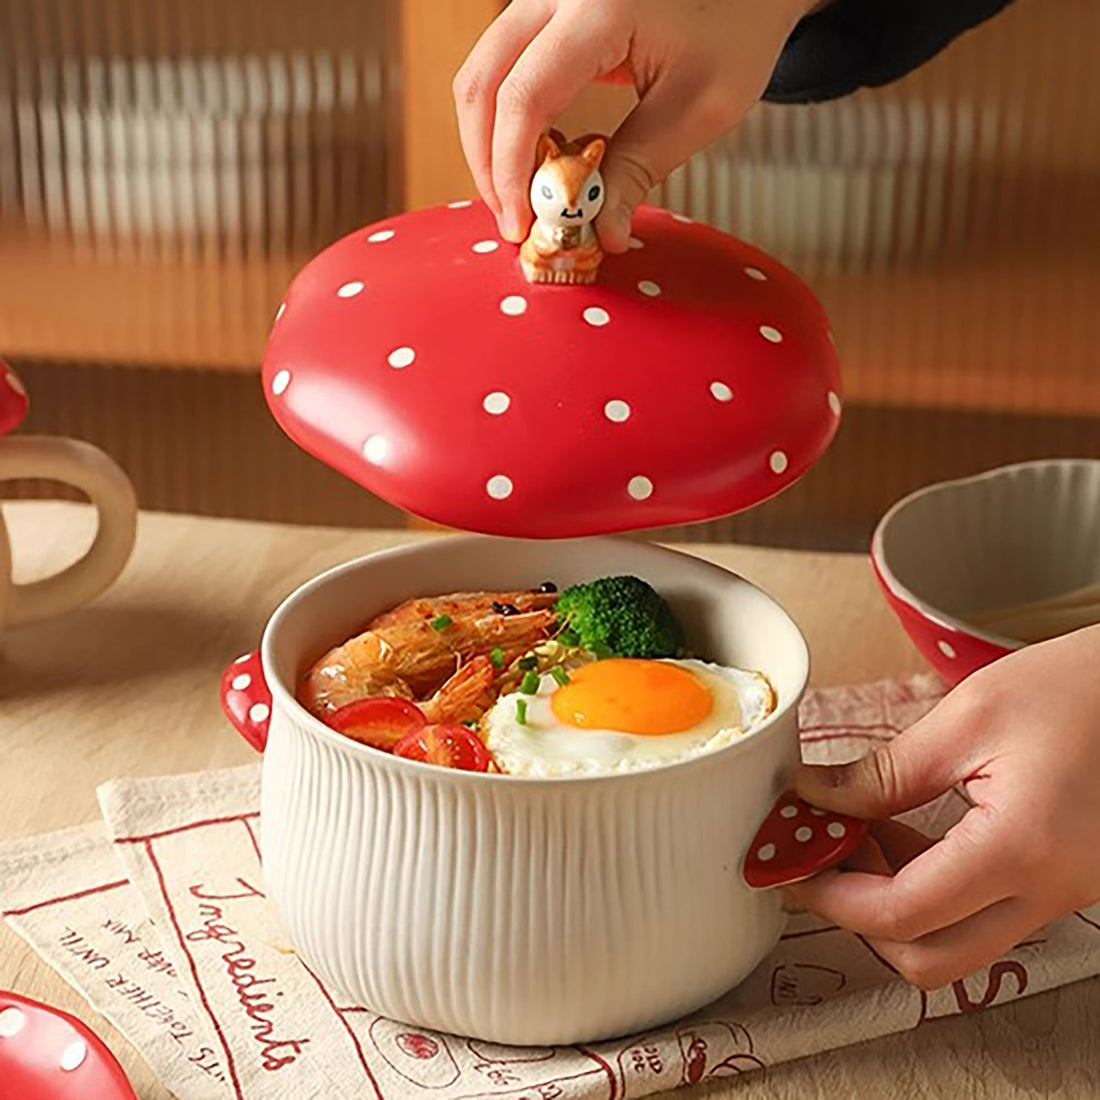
86 468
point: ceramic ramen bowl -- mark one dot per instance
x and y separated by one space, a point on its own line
525 911
1013 535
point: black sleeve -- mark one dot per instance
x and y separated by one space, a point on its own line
853 44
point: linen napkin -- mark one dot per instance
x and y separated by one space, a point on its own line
185 877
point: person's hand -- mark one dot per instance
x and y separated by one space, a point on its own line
1023 736
697 65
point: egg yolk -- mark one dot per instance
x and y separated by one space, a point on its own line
632 696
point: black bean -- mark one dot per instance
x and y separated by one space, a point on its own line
548 587
505 608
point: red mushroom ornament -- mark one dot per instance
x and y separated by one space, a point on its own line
13 400
46 1054
797 840
696 378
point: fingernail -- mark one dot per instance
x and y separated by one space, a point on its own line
828 777
614 234
510 229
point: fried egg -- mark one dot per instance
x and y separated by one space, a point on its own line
621 715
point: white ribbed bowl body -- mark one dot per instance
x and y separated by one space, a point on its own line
523 911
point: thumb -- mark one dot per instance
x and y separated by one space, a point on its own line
912 769
671 123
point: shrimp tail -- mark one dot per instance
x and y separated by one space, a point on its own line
465 696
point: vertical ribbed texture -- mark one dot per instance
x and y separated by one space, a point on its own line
948 223
518 912
174 162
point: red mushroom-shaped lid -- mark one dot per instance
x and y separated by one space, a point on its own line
696 378
797 840
46 1054
13 399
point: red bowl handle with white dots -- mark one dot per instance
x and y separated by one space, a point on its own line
798 840
246 699
13 399
46 1054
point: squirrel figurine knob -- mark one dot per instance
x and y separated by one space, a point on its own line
567 193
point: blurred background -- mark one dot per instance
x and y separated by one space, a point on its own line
167 165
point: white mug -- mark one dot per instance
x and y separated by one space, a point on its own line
86 468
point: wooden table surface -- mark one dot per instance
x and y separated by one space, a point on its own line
128 686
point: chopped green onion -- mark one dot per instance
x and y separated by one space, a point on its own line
601 652
441 623
530 683
496 656
569 637
560 675
521 711
528 663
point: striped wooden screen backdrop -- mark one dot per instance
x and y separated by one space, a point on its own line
165 165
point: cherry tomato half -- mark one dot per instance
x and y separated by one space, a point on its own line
378 722
447 746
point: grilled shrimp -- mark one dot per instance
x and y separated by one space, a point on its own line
465 696
407 653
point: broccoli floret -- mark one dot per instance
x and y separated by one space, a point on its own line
620 615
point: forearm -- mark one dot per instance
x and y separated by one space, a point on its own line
844 45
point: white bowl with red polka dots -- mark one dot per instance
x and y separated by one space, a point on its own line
695 379
517 910
1005 537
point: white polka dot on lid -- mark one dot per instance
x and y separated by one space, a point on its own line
636 242
460 204
772 335
757 274
483 247
499 487
12 1022
349 290
789 811
15 384
765 852
649 288
514 305
683 218
259 712
241 682
616 411
280 311
640 488
720 391
948 650
596 316
400 358
496 404
778 462
817 812
803 833
382 235
834 402
242 658
72 1057
376 449
835 829
280 382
